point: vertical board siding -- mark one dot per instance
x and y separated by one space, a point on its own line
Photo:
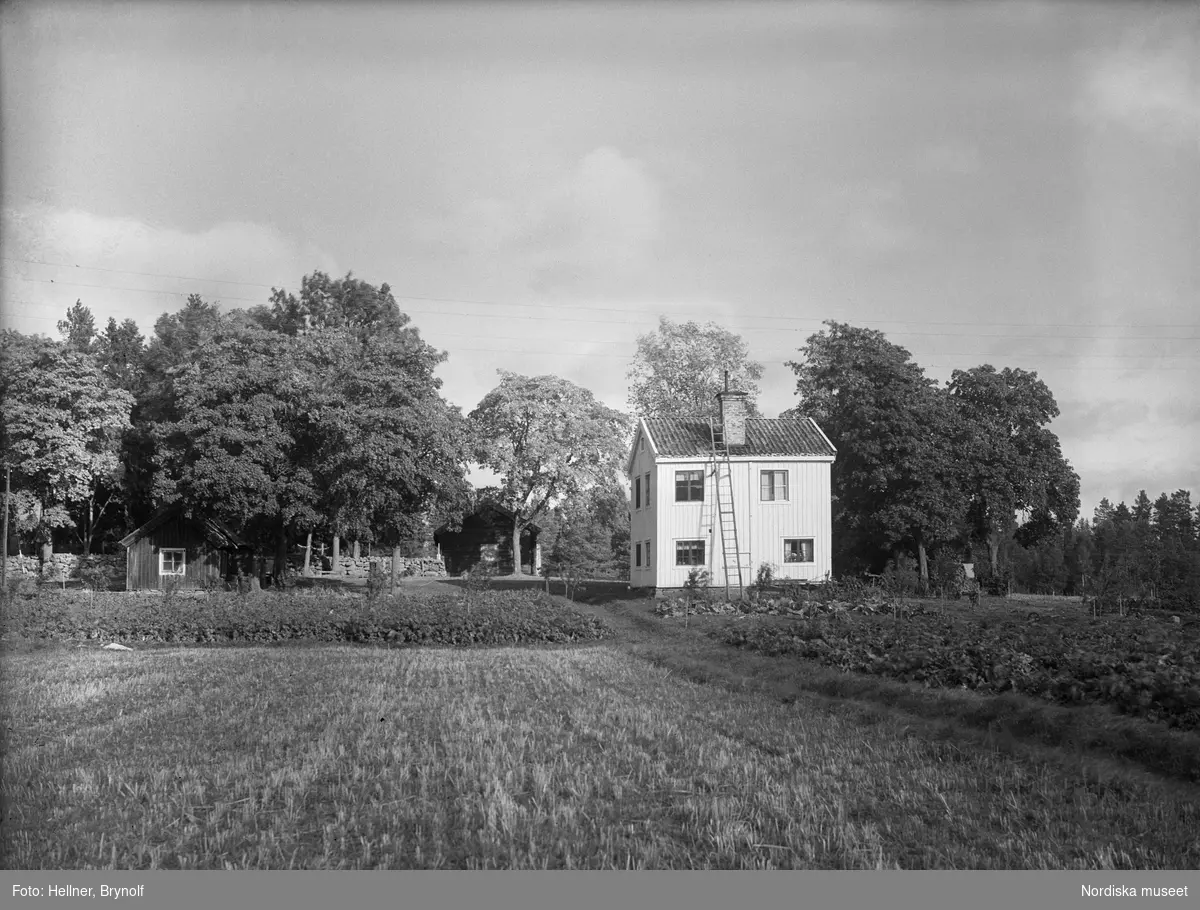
202 561
642 521
761 526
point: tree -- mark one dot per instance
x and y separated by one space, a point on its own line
680 368
349 304
79 328
546 438
589 533
121 349
232 449
61 423
388 451
1015 463
895 479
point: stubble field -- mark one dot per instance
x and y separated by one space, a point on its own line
342 756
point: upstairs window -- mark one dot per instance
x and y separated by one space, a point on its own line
798 550
637 492
774 486
689 486
648 500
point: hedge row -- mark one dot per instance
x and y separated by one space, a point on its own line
498 617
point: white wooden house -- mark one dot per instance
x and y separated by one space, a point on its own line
729 495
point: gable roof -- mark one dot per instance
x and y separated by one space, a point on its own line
214 531
675 437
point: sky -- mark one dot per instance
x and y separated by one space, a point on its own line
1007 183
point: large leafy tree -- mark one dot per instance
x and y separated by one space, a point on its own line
347 304
387 451
895 479
547 439
78 328
61 422
1019 484
231 448
680 367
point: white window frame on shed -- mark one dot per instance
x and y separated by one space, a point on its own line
162 562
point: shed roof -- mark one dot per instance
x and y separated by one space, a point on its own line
215 531
675 437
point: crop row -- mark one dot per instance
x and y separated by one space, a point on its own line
490 618
1146 672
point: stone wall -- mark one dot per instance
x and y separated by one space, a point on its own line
67 565
422 566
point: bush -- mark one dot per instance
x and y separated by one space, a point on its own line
493 618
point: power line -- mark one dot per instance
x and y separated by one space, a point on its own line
549 306
739 327
965 354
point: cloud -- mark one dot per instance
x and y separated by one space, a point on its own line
123 267
1149 84
595 226
950 157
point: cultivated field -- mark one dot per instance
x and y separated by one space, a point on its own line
606 755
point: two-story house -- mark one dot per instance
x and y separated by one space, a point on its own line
729 496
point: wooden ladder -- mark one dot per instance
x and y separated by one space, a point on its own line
726 515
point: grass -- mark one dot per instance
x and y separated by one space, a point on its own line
337 756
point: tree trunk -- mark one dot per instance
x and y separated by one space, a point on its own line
516 541
354 549
923 558
89 528
337 554
993 543
308 556
395 567
281 548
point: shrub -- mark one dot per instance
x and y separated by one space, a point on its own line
493 618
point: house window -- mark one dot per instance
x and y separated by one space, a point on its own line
637 554
689 486
689 552
774 485
798 550
637 492
647 554
647 489
171 562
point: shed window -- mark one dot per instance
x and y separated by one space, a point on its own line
689 486
171 562
798 550
637 492
774 485
689 552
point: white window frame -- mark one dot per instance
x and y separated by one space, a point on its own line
689 485
162 570
800 562
703 551
787 486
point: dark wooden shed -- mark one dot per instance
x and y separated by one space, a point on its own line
171 547
486 536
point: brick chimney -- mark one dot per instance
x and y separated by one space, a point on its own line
732 405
